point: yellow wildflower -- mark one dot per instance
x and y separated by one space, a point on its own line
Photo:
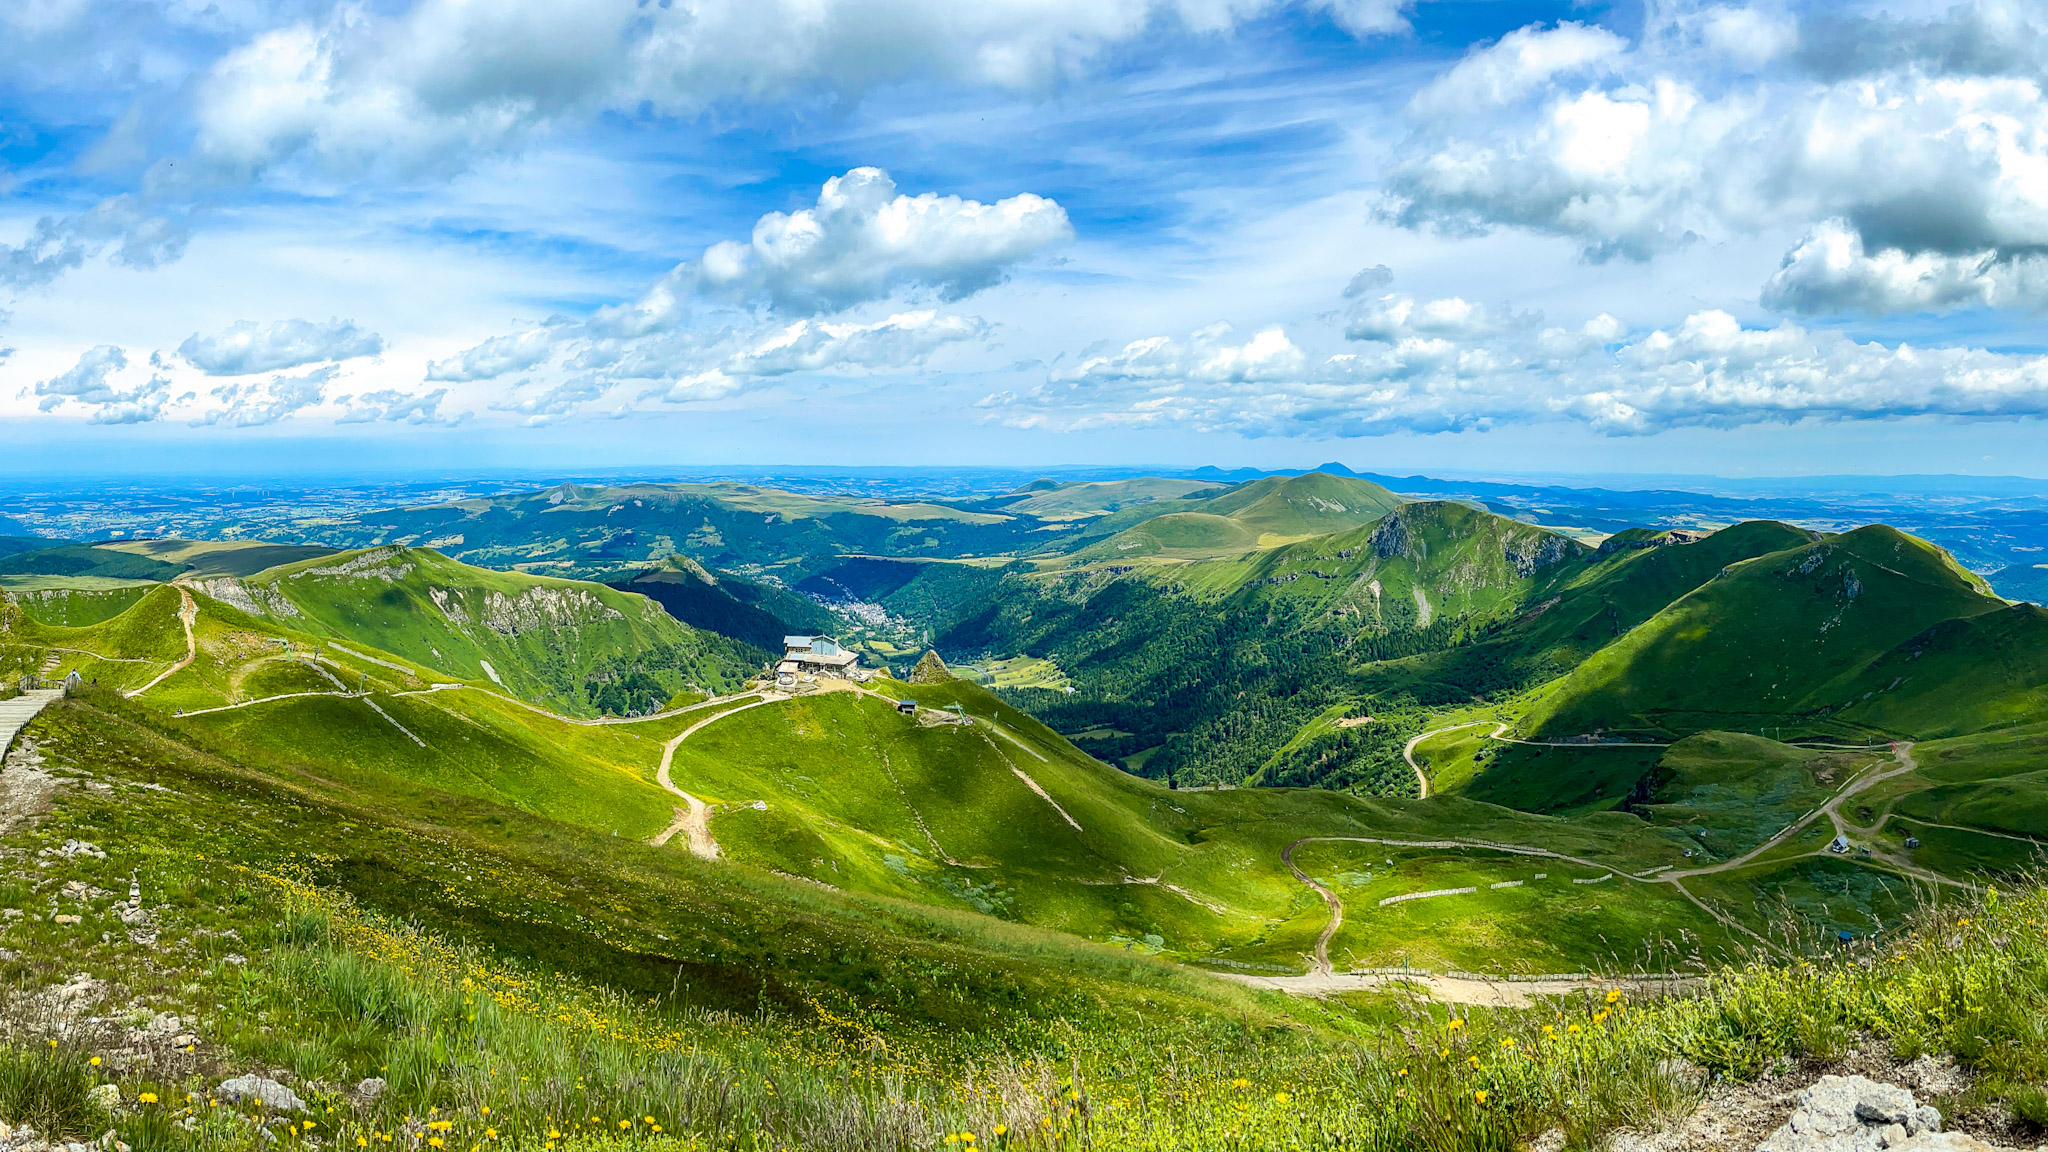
1479 1095
146 1098
95 1061
1456 1023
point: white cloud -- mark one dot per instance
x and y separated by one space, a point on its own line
893 344
1935 146
864 241
428 89
392 406
1750 37
496 357
1206 356
255 403
1831 273
85 381
1707 371
1517 64
1397 316
246 346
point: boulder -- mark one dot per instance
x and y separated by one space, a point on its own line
1855 1114
263 1090
371 1088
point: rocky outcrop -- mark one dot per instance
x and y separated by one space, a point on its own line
533 610
931 670
1857 1114
369 564
1390 539
1528 553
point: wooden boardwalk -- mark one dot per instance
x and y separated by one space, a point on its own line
19 711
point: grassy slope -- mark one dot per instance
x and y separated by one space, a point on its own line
1777 641
1260 513
541 635
218 557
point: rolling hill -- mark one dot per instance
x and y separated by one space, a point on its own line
816 920
575 646
1780 640
1257 514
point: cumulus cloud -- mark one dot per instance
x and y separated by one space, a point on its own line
710 327
1937 149
1831 272
247 347
1205 356
1398 316
1517 64
86 381
863 241
893 344
496 357
255 403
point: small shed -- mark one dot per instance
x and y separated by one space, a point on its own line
1912 841
907 707
1840 845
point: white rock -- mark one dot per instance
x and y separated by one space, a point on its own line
266 1091
1857 1114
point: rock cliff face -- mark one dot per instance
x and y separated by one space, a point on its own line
534 610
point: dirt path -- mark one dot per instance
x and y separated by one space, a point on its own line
1902 751
694 822
188 614
1408 750
1336 906
594 722
259 700
1457 989
1322 978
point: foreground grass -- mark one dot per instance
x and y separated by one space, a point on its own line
545 987
478 1053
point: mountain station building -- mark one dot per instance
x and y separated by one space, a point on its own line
815 656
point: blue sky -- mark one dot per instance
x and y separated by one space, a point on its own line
1664 237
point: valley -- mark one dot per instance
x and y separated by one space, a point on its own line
1310 754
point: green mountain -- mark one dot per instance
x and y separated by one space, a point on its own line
1083 499
757 614
1780 640
578 647
1218 663
1259 513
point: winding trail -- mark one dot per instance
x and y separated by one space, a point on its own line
1408 750
594 722
1323 979
694 822
188 614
